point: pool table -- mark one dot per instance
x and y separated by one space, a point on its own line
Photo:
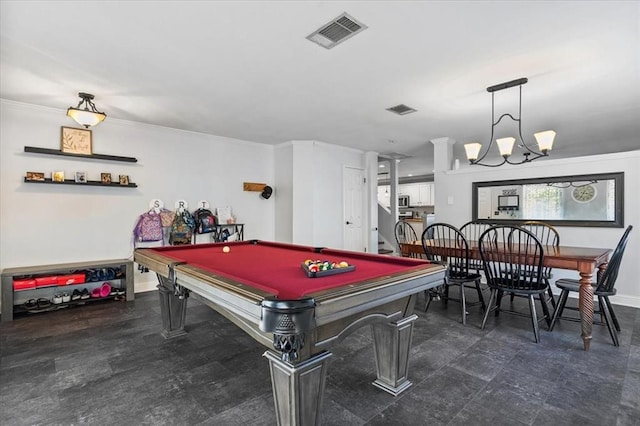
262 287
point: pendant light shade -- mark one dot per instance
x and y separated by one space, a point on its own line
87 116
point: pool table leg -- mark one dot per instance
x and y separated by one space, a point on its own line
172 308
298 388
392 344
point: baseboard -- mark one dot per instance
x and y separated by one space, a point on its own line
145 282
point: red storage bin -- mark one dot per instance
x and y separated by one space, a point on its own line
27 284
46 281
71 279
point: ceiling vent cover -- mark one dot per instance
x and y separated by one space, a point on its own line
394 156
338 30
401 109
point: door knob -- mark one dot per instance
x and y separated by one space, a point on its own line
348 223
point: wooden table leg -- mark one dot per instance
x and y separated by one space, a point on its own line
586 305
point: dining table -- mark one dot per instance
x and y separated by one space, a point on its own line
584 260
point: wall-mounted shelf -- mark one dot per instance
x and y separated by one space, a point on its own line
87 183
47 151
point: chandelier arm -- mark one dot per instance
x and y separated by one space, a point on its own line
93 106
537 154
504 160
477 160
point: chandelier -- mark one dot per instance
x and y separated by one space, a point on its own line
89 116
505 145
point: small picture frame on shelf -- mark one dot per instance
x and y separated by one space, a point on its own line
124 179
105 178
37 176
81 177
57 176
75 141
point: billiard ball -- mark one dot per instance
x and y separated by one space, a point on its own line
226 249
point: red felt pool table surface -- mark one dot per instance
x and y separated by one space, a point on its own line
276 267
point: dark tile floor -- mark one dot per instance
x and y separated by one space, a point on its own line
107 364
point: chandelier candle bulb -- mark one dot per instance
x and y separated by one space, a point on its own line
505 145
472 150
545 140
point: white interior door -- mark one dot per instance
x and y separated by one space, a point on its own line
353 190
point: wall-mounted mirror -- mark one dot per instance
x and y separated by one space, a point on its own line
583 200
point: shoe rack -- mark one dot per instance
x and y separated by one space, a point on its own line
12 298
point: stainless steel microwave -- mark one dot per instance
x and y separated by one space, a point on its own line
403 201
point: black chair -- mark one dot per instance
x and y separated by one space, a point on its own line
472 231
445 243
512 258
548 236
603 288
405 233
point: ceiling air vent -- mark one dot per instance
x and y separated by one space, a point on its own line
401 109
336 31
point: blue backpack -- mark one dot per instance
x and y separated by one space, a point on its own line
205 221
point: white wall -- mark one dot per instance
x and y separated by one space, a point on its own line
283 192
45 224
317 187
455 186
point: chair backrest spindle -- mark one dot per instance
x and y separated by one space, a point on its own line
607 280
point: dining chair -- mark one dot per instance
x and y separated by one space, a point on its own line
405 233
472 231
548 236
445 243
603 288
512 259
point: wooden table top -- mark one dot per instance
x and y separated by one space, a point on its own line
563 257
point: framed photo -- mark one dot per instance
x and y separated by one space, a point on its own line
57 176
124 179
81 177
105 177
75 141
35 176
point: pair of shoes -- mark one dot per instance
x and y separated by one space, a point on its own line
76 295
84 294
30 304
61 298
40 305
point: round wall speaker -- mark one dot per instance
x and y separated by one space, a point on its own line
266 192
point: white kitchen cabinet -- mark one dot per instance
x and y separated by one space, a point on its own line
420 194
426 194
411 189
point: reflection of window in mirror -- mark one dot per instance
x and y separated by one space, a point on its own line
542 201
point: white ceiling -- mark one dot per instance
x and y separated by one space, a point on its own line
243 69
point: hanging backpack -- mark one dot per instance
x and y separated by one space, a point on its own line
167 216
182 228
205 221
148 228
